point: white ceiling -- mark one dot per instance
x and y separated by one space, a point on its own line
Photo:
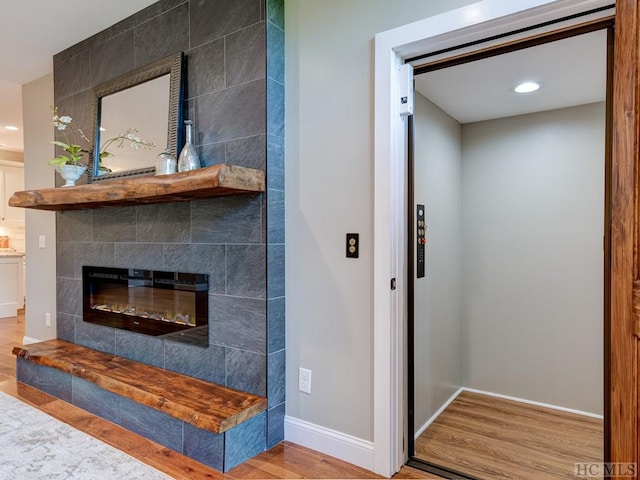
572 72
31 32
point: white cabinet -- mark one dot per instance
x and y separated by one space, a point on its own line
10 285
11 181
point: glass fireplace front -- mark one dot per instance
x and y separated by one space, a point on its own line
173 305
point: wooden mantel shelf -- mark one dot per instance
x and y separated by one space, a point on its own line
206 405
215 181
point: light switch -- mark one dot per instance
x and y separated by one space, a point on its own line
42 241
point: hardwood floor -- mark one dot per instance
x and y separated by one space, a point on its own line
491 438
283 461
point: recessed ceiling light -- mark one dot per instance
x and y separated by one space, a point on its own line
12 128
526 87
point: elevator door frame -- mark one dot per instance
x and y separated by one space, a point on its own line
490 18
606 24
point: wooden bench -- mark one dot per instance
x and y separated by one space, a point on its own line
202 404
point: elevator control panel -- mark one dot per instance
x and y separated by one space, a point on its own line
421 240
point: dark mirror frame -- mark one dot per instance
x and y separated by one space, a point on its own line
173 65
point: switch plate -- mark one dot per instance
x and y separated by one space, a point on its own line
353 245
47 319
42 241
304 380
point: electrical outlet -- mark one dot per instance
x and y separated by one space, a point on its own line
304 380
47 319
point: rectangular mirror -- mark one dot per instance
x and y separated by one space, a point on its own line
135 117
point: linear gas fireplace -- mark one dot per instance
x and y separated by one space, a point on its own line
173 305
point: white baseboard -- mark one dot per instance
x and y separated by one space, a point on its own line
28 340
330 442
8 309
437 414
532 402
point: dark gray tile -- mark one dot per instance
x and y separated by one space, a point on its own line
211 154
65 260
275 12
276 378
78 107
246 271
207 364
275 108
239 323
96 337
94 255
276 324
204 446
275 162
247 152
66 327
211 20
245 441
163 35
263 211
96 400
275 425
164 222
112 58
198 258
226 220
114 224
152 424
69 296
72 75
147 256
245 55
72 51
275 53
275 216
247 371
136 19
275 271
205 69
230 113
49 380
141 348
74 226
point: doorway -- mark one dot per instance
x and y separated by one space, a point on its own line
507 320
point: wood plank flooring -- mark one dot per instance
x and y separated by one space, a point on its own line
492 438
284 461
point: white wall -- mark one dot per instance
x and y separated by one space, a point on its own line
329 192
532 256
438 295
40 293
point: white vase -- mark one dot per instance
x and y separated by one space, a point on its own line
71 173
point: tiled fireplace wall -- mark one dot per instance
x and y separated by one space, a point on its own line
235 94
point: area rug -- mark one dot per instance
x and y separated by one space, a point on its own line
34 445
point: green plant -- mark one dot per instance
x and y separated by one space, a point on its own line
74 152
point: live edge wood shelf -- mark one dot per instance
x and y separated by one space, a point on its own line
215 181
206 405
